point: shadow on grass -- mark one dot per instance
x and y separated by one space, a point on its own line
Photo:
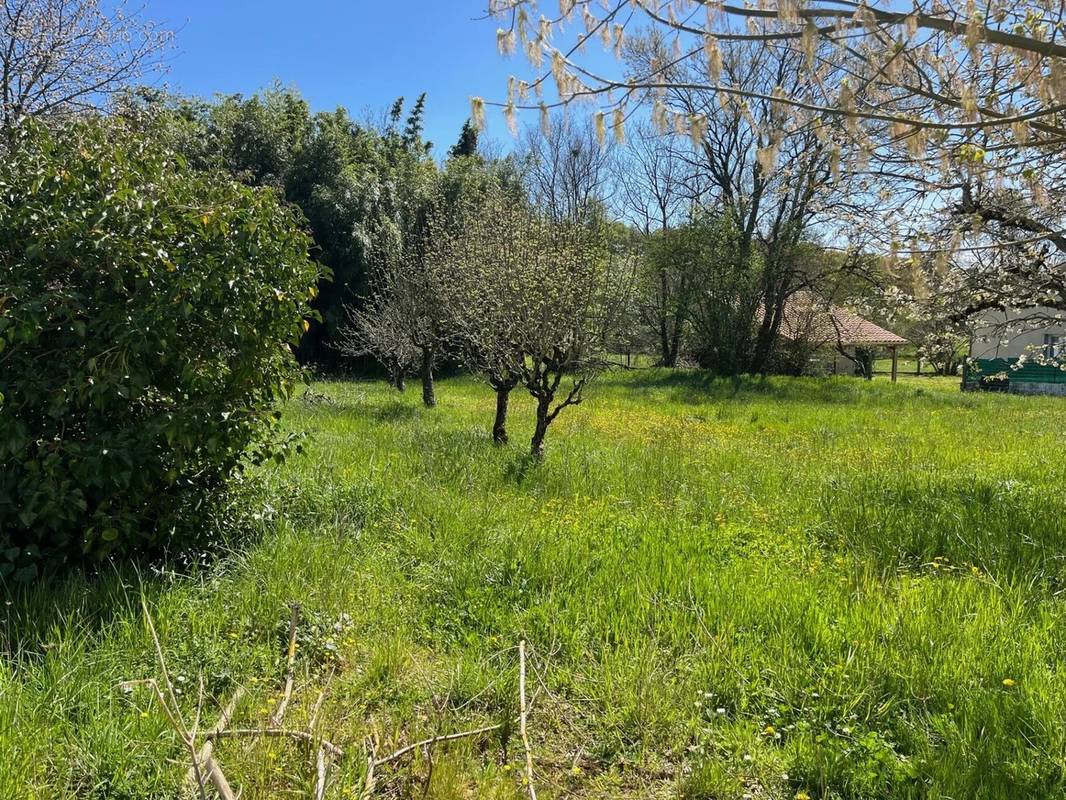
1004 528
71 594
393 411
521 467
88 598
701 386
36 613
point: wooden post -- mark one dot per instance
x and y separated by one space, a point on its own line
895 363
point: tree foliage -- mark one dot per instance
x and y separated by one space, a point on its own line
406 322
531 301
147 316
467 143
63 56
944 118
567 168
363 186
670 266
402 323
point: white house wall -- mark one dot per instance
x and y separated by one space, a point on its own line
993 342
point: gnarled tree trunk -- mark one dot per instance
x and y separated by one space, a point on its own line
502 387
429 396
499 425
674 349
399 383
536 447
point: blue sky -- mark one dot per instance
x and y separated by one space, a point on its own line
357 54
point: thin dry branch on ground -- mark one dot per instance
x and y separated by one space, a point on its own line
172 709
370 781
522 721
205 769
279 733
204 757
321 765
286 695
448 737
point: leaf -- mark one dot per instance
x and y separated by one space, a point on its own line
182 345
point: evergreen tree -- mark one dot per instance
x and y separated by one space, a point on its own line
412 135
467 144
394 113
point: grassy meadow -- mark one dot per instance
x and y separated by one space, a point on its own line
778 588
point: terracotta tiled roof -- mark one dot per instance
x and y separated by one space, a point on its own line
813 318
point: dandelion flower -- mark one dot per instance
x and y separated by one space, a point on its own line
1008 682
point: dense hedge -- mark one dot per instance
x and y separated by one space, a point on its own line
147 314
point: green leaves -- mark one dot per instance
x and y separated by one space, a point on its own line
135 376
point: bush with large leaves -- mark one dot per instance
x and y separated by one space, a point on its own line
147 317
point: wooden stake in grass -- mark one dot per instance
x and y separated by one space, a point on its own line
522 717
320 774
204 758
321 767
286 695
172 708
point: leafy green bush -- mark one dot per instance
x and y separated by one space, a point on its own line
147 315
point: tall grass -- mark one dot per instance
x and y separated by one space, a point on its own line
767 588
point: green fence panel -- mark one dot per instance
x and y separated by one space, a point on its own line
1029 372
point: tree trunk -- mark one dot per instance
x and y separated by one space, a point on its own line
764 341
429 396
666 358
499 425
674 349
398 381
536 448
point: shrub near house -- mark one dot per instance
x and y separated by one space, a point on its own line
146 317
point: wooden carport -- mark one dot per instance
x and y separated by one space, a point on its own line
817 321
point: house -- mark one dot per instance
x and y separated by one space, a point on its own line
839 341
1023 352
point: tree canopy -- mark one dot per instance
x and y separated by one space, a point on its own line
943 122
148 312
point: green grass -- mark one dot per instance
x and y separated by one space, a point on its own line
763 588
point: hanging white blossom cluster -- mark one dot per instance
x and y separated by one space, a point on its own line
908 103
